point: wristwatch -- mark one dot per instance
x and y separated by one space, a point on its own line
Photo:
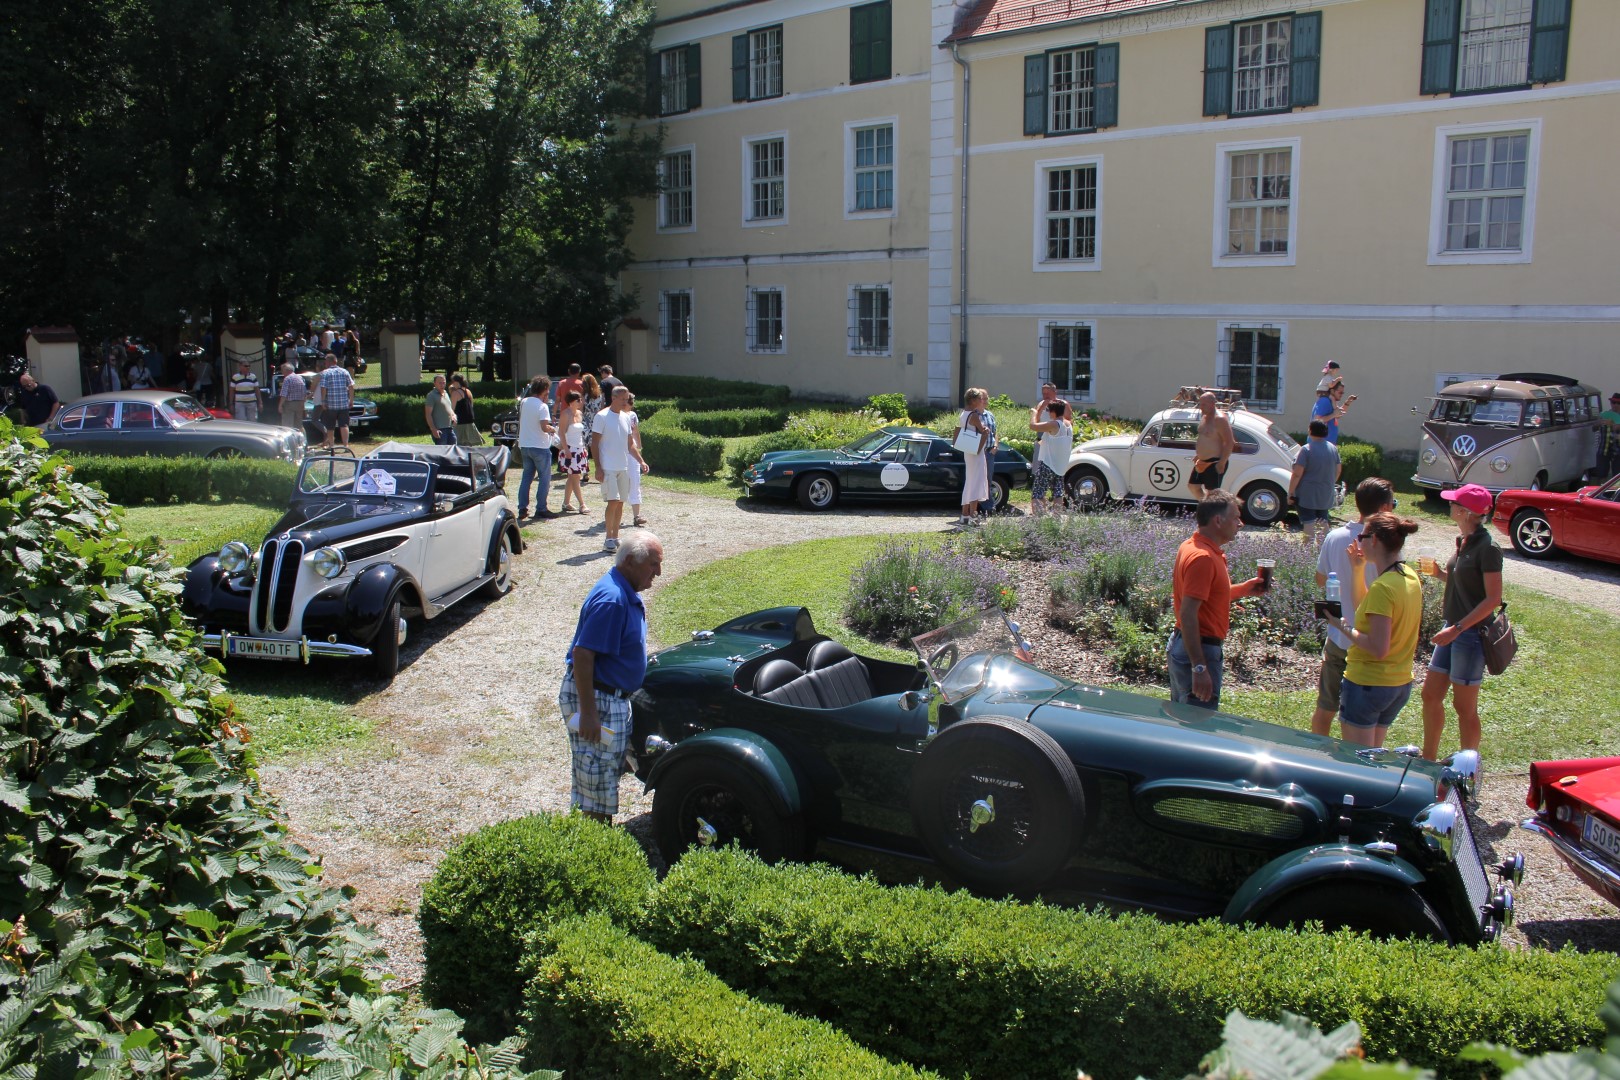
1199 669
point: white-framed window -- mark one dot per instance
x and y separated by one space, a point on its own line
672 81
1256 203
869 171
1071 78
869 320
1068 211
1253 358
767 320
675 320
1261 66
765 179
1493 42
1484 200
765 63
676 189
1068 357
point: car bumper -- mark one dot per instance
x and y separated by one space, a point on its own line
775 487
220 643
1603 879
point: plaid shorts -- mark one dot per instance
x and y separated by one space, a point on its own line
1048 484
597 766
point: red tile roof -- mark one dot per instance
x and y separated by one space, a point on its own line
1002 16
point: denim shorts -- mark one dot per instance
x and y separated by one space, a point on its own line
1307 515
1463 661
1371 706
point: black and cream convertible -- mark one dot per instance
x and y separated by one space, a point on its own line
366 543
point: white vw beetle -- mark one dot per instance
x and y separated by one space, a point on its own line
1155 464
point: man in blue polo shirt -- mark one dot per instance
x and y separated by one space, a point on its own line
606 664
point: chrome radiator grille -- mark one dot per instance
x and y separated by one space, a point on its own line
278 578
1475 880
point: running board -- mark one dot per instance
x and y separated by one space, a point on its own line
439 603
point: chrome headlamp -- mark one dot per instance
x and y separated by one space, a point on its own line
1436 822
1430 457
1460 771
329 562
1499 464
234 557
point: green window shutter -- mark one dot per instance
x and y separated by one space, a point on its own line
860 34
1105 97
1440 22
882 36
1035 94
1304 79
654 97
1217 70
1549 40
739 68
694 76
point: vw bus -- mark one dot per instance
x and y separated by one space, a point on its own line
1521 430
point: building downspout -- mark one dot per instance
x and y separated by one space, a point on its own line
962 246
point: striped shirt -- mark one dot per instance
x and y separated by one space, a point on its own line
337 388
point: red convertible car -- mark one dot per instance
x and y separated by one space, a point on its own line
1584 522
1577 805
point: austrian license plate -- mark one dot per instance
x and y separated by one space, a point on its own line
263 648
1601 836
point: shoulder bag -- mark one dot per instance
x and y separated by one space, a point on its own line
1498 642
969 441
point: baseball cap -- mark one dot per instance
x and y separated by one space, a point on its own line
1470 497
1614 397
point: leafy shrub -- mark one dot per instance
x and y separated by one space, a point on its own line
670 448
401 413
700 386
904 590
979 987
608 1004
504 882
132 481
157 920
825 428
889 406
1360 459
748 452
730 423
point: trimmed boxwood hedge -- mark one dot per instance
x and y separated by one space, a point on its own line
670 448
132 481
602 1003
996 988
506 881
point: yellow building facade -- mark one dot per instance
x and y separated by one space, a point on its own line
1157 193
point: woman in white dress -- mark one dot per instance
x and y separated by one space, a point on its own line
976 475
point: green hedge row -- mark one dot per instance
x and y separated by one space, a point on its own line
996 988
670 448
1359 457
502 884
132 481
401 414
731 423
603 1003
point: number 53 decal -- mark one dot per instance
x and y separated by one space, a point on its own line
1164 475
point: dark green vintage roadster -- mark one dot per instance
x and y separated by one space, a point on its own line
974 767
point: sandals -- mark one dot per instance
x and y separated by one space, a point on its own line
639 522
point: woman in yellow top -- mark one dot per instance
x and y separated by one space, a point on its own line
1378 667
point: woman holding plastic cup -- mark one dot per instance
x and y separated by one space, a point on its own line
1383 640
1473 578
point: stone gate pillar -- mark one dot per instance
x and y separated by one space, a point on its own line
401 357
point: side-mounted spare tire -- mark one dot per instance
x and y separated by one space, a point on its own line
998 803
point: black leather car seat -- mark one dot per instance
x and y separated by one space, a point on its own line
839 677
785 683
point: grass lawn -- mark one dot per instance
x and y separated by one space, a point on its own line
290 717
1556 701
188 531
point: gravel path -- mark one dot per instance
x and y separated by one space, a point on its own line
467 733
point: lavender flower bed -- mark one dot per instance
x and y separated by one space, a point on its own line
906 589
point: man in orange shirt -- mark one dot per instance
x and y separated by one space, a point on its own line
1203 593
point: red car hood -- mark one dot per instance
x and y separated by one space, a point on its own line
1592 781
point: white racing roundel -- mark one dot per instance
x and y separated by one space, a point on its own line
895 476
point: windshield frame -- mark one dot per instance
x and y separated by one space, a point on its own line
878 440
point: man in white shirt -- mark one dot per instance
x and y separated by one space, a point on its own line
245 391
1373 495
534 446
616 454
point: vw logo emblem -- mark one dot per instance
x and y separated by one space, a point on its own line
1463 446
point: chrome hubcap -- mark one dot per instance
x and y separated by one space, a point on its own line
983 812
1535 534
707 835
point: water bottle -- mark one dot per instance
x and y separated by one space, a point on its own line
1333 588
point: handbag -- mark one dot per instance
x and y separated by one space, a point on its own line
1498 641
969 441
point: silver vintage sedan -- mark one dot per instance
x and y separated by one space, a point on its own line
164 422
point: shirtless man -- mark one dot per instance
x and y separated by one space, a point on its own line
1214 448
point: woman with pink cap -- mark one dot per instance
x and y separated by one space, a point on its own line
1473 578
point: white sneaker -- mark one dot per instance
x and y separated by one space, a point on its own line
610 544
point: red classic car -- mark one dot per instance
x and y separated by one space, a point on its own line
1577 805
1584 522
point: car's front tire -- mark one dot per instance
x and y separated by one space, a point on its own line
385 646
818 491
998 803
1000 495
501 583
1384 911
1086 487
712 802
1532 534
1263 503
